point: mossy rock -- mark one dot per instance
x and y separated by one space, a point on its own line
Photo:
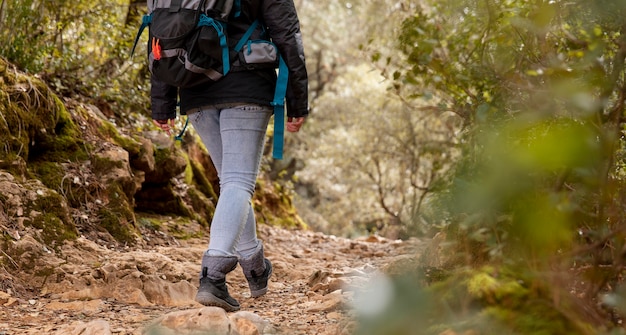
132 145
178 227
35 123
162 199
203 208
49 213
14 164
65 143
199 178
50 174
117 215
273 205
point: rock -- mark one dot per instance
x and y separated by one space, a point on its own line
144 159
210 320
248 323
434 254
161 292
329 302
318 277
86 307
113 165
97 327
169 160
7 300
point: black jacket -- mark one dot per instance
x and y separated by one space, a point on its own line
247 86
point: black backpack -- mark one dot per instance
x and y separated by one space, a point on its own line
188 41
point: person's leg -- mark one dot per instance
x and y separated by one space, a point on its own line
248 242
212 290
234 138
242 132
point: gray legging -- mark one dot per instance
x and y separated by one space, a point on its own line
234 137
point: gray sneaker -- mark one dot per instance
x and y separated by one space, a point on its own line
258 283
215 293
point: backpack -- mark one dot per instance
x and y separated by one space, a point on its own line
188 45
188 42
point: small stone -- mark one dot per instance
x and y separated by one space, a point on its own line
333 316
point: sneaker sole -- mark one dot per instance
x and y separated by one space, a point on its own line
209 299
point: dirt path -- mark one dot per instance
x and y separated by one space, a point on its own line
313 285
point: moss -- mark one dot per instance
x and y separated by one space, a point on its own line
149 223
537 318
13 164
133 146
120 229
188 168
62 142
203 208
101 164
273 206
34 123
484 285
49 173
13 128
184 228
180 227
502 303
117 216
201 181
54 221
161 155
183 232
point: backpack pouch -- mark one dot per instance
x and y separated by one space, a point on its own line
258 54
181 53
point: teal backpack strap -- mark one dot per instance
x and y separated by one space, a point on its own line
145 22
246 36
219 28
179 137
279 108
237 8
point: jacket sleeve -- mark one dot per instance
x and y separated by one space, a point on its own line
163 98
283 25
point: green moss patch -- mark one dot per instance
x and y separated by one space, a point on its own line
117 216
53 219
273 206
34 123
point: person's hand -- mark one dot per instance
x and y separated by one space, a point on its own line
294 123
165 125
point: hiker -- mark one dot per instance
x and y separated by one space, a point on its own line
231 116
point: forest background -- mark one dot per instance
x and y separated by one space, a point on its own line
494 126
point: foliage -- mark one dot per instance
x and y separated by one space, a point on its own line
77 46
371 157
376 151
481 301
539 187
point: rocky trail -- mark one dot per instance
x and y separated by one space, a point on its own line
91 288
